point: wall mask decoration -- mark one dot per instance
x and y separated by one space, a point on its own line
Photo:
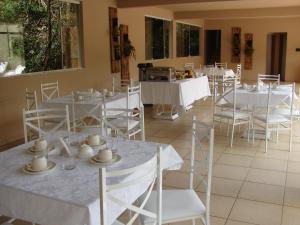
236 45
248 51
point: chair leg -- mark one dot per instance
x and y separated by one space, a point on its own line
249 127
194 221
291 137
227 133
232 133
266 140
277 133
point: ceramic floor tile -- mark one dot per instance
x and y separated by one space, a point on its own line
213 221
269 164
256 212
262 192
231 172
291 216
235 160
225 187
273 154
237 150
220 205
232 222
292 197
294 156
266 177
179 180
293 167
293 180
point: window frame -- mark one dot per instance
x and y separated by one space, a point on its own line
189 47
170 41
81 56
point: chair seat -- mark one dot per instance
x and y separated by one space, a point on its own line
117 223
177 205
273 118
230 105
122 123
229 114
286 112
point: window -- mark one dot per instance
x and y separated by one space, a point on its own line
157 38
39 35
188 40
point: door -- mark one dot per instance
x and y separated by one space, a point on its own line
212 46
276 54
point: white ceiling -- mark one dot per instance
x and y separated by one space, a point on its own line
240 4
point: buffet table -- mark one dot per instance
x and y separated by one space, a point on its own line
180 94
71 197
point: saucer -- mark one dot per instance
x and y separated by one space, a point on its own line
29 170
95 160
102 142
32 149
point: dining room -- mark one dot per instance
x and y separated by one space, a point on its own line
166 112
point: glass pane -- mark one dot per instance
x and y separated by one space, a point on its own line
194 40
40 37
182 39
157 38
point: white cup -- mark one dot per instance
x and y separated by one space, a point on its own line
104 91
105 155
39 163
85 151
93 139
245 86
40 145
91 90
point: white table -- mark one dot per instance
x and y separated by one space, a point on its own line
250 97
216 72
92 106
70 197
180 94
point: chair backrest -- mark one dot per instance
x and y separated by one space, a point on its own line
49 90
202 133
273 79
36 120
31 100
271 106
119 85
238 73
189 66
133 95
221 65
150 171
127 115
228 96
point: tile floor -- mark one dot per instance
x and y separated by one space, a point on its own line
249 187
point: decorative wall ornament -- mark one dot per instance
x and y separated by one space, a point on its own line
248 51
236 45
126 51
115 51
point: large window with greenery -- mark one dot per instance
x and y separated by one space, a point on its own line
157 38
40 35
188 40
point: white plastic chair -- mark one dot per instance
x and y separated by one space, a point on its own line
119 85
272 120
238 73
31 100
221 65
226 110
34 120
49 91
272 79
150 171
184 204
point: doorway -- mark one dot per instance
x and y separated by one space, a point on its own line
212 46
276 54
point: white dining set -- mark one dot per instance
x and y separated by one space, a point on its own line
266 108
91 193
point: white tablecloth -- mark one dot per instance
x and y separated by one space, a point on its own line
260 98
181 93
216 72
70 197
84 107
